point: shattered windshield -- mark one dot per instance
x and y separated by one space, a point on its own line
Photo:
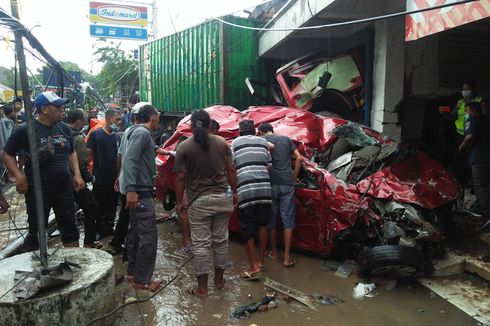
354 135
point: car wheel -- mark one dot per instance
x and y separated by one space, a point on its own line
392 261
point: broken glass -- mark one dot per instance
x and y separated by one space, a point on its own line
354 135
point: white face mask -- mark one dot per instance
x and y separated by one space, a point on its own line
466 93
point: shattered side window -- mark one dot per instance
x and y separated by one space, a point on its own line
354 135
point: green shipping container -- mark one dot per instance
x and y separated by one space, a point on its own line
201 66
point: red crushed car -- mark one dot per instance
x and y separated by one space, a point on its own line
361 194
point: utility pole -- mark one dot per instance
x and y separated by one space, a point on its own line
154 19
31 134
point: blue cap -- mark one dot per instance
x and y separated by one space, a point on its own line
45 98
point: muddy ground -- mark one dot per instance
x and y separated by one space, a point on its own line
408 303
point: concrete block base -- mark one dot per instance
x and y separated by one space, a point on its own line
88 295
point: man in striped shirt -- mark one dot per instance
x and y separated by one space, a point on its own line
253 162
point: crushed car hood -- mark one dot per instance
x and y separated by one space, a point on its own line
328 202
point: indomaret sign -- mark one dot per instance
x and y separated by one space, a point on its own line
434 21
108 13
118 21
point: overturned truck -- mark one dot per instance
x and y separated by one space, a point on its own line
361 195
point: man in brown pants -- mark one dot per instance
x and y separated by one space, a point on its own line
204 168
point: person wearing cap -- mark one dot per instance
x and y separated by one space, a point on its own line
253 162
136 182
102 145
59 171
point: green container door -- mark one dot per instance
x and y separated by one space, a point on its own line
201 66
241 61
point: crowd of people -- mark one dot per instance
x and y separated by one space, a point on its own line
254 176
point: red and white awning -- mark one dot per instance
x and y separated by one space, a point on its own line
434 21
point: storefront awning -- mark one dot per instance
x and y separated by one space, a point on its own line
434 21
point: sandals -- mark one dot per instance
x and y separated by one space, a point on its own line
290 263
193 291
187 249
153 286
246 275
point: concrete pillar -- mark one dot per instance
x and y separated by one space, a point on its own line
87 296
388 75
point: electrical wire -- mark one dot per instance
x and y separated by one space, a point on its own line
142 300
345 23
43 265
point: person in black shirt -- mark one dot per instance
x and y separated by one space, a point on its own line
476 142
102 145
59 170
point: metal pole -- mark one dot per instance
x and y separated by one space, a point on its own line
15 75
31 134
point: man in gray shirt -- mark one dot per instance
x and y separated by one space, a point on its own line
283 179
136 183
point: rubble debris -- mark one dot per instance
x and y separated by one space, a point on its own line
243 312
332 265
295 294
326 299
28 284
363 290
345 269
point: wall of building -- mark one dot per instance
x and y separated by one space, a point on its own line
437 65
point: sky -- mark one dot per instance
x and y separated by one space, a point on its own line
62 26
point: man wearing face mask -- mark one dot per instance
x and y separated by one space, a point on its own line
102 145
458 115
460 110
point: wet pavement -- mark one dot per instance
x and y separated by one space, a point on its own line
16 216
408 303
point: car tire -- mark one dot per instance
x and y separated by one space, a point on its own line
392 261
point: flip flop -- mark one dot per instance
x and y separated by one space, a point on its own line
249 276
192 291
290 263
269 254
152 286
187 249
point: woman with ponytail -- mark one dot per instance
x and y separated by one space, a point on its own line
205 171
